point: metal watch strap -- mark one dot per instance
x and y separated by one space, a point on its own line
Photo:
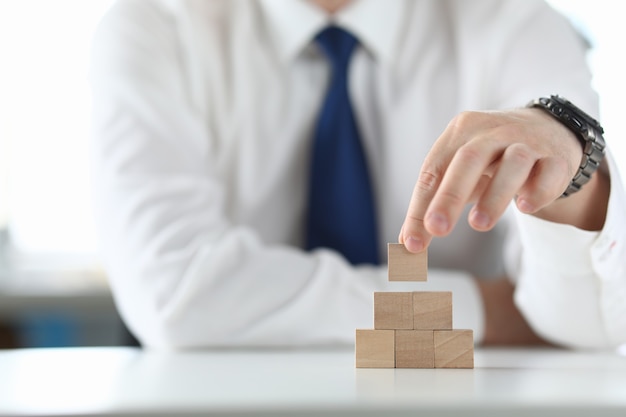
587 130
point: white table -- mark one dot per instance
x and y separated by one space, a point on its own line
127 381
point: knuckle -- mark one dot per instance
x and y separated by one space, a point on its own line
469 154
519 154
451 197
460 123
464 119
428 180
413 220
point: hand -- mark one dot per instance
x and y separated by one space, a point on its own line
490 158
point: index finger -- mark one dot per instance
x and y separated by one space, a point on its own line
413 233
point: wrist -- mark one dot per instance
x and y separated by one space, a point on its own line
586 209
586 129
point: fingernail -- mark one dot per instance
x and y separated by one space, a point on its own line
414 244
438 223
524 206
480 220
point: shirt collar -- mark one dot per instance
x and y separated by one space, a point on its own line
293 24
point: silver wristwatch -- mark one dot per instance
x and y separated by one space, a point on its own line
587 130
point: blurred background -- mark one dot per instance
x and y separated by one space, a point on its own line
53 291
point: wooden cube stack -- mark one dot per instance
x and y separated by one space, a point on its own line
412 329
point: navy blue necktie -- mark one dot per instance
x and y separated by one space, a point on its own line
341 205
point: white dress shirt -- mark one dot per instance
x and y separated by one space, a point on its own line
203 117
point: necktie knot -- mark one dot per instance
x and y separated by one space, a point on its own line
338 45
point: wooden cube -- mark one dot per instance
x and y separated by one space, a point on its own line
432 310
406 266
375 348
393 310
415 349
454 348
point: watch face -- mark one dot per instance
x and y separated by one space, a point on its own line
578 112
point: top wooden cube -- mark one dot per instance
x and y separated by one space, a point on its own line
406 266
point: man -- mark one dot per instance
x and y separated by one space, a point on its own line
207 116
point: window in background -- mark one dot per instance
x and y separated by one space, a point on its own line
45 113
44 124
52 291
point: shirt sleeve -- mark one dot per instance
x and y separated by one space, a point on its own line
571 283
182 273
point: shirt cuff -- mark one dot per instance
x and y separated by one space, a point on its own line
575 250
553 244
609 250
